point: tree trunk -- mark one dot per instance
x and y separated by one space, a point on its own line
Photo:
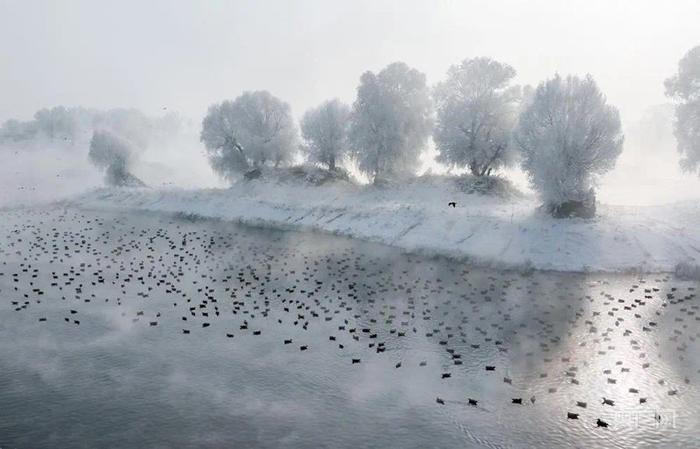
331 164
238 147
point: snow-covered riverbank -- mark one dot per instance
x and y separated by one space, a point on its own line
484 229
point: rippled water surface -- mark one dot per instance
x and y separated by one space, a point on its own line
154 331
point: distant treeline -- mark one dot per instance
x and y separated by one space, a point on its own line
562 133
76 124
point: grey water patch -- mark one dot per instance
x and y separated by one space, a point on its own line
293 339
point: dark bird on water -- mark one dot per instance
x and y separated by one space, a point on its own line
452 203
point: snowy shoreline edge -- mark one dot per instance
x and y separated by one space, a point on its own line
483 230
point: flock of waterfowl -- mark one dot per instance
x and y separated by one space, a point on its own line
364 304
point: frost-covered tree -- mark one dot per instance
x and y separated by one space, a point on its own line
114 155
249 132
527 93
653 131
76 124
130 124
476 112
56 123
390 121
325 131
568 135
16 131
684 88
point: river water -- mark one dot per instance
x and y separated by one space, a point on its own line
129 331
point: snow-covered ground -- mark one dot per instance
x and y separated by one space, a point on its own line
483 229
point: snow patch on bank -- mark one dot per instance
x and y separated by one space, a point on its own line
416 217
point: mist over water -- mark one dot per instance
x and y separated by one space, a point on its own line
111 366
41 170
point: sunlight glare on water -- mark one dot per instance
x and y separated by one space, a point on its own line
303 340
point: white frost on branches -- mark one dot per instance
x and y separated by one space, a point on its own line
249 132
476 112
568 135
391 121
114 155
684 88
325 130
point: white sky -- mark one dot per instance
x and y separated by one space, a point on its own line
188 54
185 55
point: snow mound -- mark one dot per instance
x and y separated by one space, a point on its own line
481 185
310 175
509 231
122 178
